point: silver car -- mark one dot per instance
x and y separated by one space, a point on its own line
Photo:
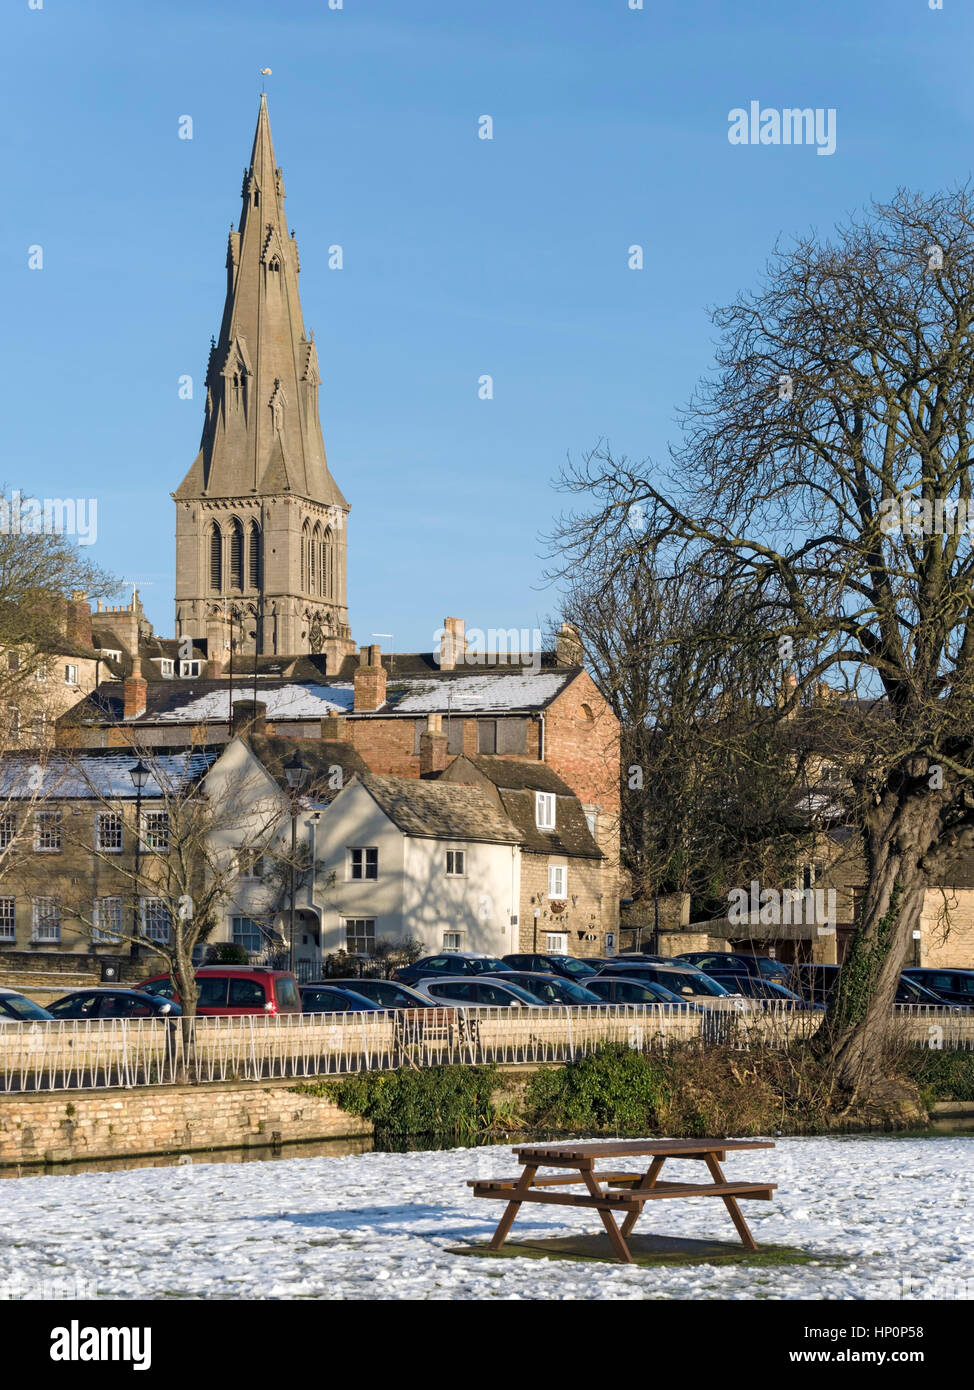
464 991
17 1008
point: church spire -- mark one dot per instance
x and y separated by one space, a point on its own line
261 432
260 522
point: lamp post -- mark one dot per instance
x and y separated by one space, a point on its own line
139 775
296 774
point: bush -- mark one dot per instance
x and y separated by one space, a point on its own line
613 1088
436 1100
226 953
941 1075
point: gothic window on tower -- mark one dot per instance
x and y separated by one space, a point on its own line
305 555
315 558
253 556
216 558
236 555
328 564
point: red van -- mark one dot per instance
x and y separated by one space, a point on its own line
228 991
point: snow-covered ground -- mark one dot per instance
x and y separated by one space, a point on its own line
378 1225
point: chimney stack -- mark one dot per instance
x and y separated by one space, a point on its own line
432 747
135 692
248 715
370 681
789 684
453 643
569 651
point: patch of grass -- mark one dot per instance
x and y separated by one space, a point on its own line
770 1255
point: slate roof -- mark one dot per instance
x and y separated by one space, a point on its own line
93 774
516 782
318 755
440 810
208 701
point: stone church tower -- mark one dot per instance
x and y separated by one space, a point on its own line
260 522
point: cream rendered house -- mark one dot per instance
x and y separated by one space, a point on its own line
400 857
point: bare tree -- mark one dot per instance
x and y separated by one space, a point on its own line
708 800
826 473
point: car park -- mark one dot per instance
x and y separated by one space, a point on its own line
17 1008
683 980
570 967
453 963
385 994
229 991
110 1002
331 999
717 963
622 989
953 986
461 991
551 989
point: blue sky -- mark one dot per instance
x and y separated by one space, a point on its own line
463 256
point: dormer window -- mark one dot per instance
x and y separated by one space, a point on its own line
166 666
189 668
544 810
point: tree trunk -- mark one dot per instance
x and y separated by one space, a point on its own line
858 1022
188 994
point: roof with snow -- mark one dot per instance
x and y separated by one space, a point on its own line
95 775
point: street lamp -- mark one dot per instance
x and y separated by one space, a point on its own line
139 774
296 774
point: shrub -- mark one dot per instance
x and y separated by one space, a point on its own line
613 1088
435 1100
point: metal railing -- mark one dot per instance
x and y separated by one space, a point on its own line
115 1053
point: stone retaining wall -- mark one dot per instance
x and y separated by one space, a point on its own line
65 1126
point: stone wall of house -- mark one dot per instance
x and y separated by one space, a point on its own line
947 924
588 917
64 1127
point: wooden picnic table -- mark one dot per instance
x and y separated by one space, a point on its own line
635 1188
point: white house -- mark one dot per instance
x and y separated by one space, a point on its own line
400 857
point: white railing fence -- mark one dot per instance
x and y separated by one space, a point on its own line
156 1052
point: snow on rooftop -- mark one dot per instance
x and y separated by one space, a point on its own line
518 690
82 776
305 701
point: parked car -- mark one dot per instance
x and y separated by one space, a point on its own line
570 967
815 983
109 1002
718 963
683 980
226 991
952 986
330 999
622 989
768 991
551 989
17 1008
450 963
385 994
464 990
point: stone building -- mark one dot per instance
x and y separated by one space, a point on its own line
261 524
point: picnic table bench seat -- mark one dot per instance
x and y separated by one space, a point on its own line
633 1189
